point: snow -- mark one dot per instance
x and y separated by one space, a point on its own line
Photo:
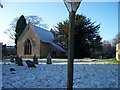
58 47
86 75
47 37
44 35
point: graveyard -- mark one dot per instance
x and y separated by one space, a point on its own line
68 51
89 73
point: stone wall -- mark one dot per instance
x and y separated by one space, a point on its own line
28 34
44 49
118 51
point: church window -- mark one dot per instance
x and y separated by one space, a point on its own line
27 47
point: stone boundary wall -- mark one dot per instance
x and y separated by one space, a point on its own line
118 51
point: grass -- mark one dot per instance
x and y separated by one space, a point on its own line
110 61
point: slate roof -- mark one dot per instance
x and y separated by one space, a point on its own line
44 35
47 37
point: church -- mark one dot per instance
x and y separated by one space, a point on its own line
38 41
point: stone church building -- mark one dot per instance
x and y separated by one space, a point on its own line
38 41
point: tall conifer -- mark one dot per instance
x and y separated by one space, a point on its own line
20 26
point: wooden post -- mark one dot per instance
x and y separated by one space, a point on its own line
71 51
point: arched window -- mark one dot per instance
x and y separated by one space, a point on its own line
27 47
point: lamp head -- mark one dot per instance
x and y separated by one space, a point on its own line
72 5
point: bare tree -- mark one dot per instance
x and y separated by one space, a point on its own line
11 31
35 20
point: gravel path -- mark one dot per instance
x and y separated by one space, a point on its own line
86 75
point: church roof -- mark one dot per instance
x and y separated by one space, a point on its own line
46 36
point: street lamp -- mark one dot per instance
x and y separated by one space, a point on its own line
72 6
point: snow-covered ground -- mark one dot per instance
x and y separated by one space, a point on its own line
86 75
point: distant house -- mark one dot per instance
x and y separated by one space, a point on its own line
11 50
36 40
118 50
8 51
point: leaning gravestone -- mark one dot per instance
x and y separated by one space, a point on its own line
30 63
20 61
12 58
49 59
16 59
35 59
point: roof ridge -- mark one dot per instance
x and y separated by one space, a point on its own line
41 28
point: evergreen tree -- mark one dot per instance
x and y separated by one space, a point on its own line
86 39
20 26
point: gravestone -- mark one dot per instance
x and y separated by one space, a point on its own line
12 70
12 58
17 59
30 63
20 61
49 59
35 59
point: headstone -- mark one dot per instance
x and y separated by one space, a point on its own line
20 61
30 63
35 59
93 60
17 59
12 58
12 70
49 59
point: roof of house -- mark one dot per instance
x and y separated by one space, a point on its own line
118 42
46 36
